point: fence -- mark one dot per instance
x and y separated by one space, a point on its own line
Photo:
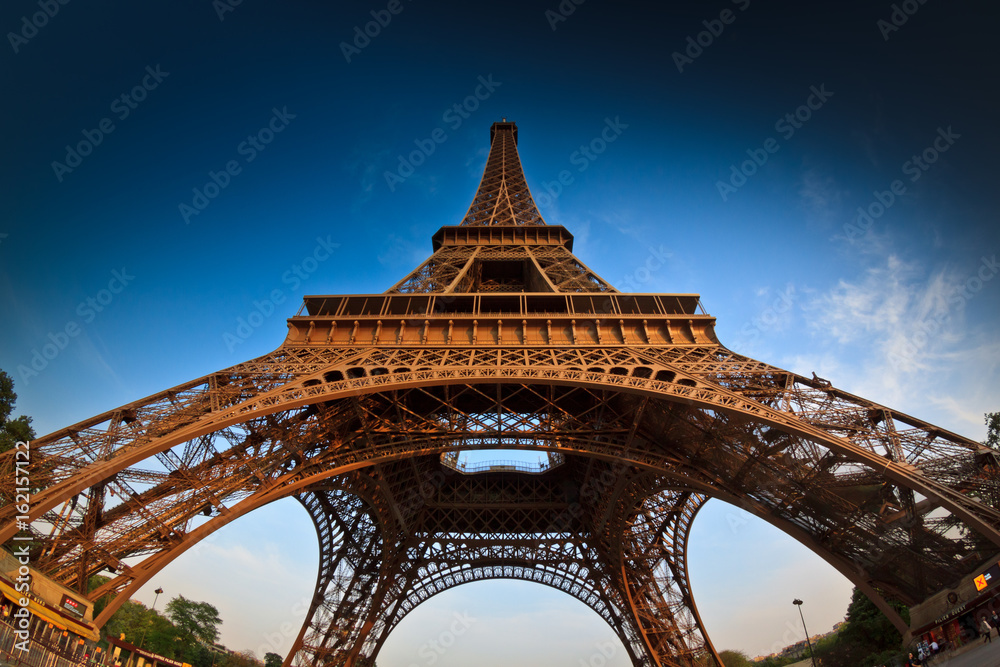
46 653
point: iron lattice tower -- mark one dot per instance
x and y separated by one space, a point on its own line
503 339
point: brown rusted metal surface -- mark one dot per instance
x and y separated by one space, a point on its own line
504 340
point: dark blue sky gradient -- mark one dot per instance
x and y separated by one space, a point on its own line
880 313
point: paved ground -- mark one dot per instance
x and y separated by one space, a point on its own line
983 655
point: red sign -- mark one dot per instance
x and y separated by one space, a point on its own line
73 606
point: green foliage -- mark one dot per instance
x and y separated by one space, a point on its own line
992 430
735 659
148 629
889 657
272 660
198 655
194 619
825 643
130 619
867 637
140 625
163 637
7 396
16 430
93 584
241 659
865 622
776 661
731 658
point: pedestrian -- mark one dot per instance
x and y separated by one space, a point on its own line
986 629
911 662
934 647
995 620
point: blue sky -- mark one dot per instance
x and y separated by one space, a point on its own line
747 135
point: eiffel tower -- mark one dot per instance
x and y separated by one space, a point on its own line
504 340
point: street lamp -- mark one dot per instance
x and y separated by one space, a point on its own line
157 597
798 603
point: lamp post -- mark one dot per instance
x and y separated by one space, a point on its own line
798 603
153 608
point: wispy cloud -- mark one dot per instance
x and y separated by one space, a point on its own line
867 145
876 304
907 335
90 354
476 161
401 252
821 198
367 164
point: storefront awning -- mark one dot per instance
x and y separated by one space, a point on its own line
50 615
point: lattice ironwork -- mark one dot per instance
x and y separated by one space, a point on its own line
642 413
503 197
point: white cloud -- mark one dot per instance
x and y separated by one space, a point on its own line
907 334
851 310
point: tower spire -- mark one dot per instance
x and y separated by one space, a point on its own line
502 243
503 197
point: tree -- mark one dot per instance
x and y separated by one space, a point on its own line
242 659
992 430
164 637
95 582
866 623
130 619
16 430
194 619
735 659
155 632
198 655
867 637
272 660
